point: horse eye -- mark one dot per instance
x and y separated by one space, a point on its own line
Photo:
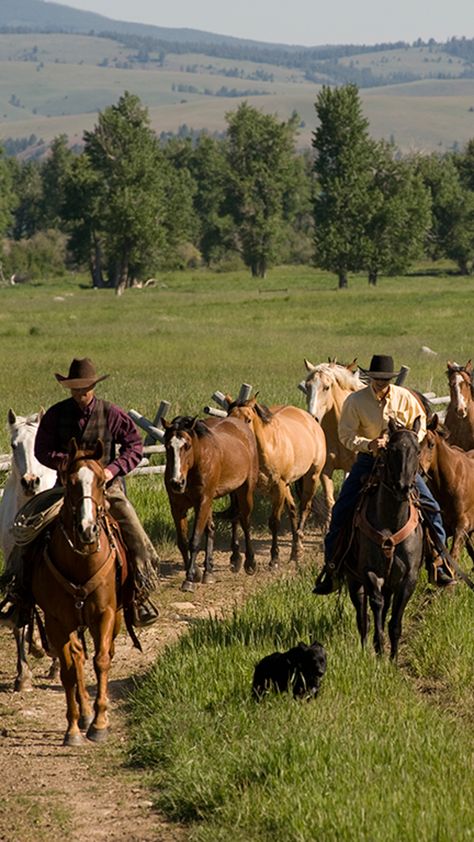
326 388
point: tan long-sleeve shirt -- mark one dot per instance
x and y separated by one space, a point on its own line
364 417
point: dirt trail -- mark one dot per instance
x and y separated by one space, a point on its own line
48 792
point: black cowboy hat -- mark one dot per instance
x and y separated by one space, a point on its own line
381 368
81 375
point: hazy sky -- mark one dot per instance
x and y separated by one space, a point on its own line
306 22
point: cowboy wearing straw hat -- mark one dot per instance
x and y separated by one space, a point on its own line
88 418
363 429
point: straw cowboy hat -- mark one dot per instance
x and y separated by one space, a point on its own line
81 375
381 368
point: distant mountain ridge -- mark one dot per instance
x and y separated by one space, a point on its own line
54 17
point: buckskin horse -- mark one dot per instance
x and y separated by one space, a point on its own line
383 563
291 447
459 419
207 459
27 478
75 582
451 474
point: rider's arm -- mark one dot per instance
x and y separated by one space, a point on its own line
46 441
127 436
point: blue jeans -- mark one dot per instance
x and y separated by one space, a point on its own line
346 502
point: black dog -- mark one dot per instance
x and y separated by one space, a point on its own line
301 669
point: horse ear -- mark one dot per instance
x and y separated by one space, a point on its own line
353 365
309 366
193 422
392 426
99 450
434 423
41 412
165 424
11 416
417 424
468 367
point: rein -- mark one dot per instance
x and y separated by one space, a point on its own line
384 538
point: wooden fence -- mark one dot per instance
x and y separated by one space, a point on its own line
154 429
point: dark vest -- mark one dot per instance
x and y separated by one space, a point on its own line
96 428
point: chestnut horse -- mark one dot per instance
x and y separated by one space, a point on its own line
451 474
74 582
459 420
206 460
27 478
291 446
384 562
327 386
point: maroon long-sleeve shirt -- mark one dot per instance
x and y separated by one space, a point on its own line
120 425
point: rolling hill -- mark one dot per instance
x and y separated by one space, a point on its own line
60 66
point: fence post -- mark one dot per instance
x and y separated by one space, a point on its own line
402 375
161 413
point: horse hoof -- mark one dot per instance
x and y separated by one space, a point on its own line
197 576
236 565
187 586
23 685
250 567
85 722
73 740
273 567
97 735
208 579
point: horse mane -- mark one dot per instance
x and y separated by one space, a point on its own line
263 412
189 424
344 377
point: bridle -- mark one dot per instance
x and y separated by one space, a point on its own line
100 520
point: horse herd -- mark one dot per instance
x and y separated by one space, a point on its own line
273 449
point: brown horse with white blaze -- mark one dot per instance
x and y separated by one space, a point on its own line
291 446
75 584
207 459
459 419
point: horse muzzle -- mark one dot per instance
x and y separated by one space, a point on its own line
178 485
30 484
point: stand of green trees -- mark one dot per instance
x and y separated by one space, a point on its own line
127 206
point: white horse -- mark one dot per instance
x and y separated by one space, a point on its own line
27 478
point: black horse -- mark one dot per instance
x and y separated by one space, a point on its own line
387 552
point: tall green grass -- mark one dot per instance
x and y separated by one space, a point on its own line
384 752
369 759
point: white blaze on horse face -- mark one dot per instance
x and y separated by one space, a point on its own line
176 444
318 403
86 480
461 405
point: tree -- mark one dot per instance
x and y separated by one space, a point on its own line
344 166
28 186
209 168
54 173
124 154
452 227
260 156
400 218
81 213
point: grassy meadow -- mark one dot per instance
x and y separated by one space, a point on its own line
385 752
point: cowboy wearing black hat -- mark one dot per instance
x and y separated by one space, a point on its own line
88 418
363 428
